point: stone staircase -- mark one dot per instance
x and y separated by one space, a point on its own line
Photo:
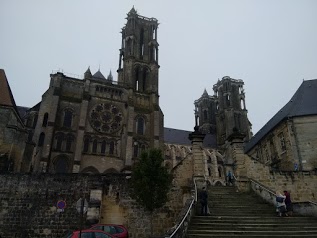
236 214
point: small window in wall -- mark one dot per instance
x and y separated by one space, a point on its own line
103 147
45 119
68 116
111 147
41 139
86 145
209 172
140 126
94 146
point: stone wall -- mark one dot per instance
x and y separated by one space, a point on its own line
301 185
28 205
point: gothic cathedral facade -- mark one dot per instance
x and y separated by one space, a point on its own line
96 124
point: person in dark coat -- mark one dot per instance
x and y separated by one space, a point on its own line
203 196
288 203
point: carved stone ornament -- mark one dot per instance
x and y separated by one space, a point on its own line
106 118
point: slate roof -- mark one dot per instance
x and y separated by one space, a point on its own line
175 136
6 97
98 75
22 110
303 103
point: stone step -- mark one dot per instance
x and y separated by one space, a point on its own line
282 233
236 214
258 219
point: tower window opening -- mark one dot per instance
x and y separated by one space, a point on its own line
242 104
45 119
205 115
141 43
144 80
140 126
68 116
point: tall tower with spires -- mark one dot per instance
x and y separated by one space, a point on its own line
231 117
138 57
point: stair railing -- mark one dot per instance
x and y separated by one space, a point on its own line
181 229
310 210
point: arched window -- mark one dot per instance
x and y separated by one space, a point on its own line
41 139
86 145
61 165
140 126
45 119
111 147
205 115
68 116
69 141
103 147
59 141
94 146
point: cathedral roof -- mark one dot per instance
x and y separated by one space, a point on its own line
180 137
6 97
98 75
303 103
175 136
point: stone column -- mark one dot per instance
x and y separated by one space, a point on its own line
198 157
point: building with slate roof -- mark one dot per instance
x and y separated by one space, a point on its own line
288 140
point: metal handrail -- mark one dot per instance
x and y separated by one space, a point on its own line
271 192
268 190
188 210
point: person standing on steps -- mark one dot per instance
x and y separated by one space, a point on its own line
203 196
280 204
230 178
288 203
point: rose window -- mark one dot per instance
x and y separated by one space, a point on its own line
106 118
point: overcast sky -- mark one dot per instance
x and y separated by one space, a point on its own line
271 45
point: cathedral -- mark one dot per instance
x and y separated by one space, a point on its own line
97 124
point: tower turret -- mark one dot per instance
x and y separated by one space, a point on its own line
138 58
231 114
205 106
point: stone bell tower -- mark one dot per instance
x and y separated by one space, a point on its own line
138 74
231 117
138 58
